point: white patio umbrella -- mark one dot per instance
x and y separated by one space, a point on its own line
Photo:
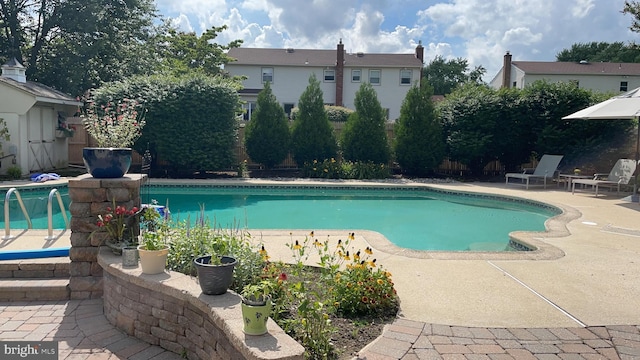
621 107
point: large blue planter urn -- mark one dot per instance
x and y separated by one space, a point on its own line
107 163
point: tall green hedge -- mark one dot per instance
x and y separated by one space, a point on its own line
419 142
190 121
364 137
267 134
312 135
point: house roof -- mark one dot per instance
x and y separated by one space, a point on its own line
573 68
314 57
41 92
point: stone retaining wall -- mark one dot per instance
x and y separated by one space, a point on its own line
170 310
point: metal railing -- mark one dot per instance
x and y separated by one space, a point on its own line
50 214
7 225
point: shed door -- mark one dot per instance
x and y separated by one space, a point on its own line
40 132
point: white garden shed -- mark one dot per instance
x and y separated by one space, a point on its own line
34 114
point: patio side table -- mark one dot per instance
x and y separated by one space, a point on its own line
568 179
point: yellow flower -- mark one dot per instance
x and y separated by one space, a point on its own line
368 250
356 256
339 244
311 233
262 251
372 263
346 256
352 236
317 243
297 246
380 281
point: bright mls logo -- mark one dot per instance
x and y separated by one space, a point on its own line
32 350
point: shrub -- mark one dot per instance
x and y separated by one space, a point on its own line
312 135
364 137
14 172
326 169
332 169
267 134
190 121
337 113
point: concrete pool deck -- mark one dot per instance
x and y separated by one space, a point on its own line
593 285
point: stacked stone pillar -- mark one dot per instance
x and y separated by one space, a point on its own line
90 197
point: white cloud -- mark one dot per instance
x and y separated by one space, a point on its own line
478 30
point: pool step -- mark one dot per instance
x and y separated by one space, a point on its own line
28 289
34 279
56 267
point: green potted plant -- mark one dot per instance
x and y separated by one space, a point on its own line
256 307
116 227
215 273
114 127
153 251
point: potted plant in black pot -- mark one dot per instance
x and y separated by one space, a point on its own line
256 307
215 273
115 126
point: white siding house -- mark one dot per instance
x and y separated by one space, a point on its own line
600 76
33 112
340 75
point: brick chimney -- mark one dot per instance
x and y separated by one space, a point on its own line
14 70
339 73
506 71
420 56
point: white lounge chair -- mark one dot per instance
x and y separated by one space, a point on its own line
621 174
545 170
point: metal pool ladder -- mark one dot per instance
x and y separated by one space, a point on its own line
50 214
7 225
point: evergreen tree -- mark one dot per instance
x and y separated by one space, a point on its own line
419 143
267 134
364 137
312 136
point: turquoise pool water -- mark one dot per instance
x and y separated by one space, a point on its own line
410 218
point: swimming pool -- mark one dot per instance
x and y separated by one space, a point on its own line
418 218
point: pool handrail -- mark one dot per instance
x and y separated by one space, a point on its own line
50 214
7 225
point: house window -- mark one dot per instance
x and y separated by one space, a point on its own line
624 86
287 109
374 77
405 77
267 75
355 75
329 75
